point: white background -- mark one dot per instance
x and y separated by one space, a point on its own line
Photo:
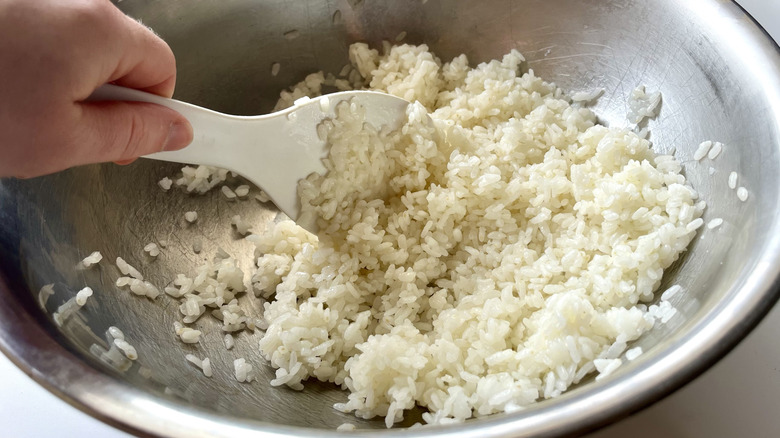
740 396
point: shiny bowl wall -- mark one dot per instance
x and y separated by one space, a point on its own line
719 74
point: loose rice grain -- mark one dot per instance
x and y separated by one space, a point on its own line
702 150
83 295
733 178
742 194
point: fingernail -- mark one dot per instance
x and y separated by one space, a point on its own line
179 136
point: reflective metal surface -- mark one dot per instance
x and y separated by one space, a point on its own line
720 78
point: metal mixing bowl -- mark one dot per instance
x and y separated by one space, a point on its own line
720 78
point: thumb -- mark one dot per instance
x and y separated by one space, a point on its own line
123 131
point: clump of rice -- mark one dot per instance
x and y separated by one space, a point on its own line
717 148
633 353
243 370
702 150
262 197
187 335
587 96
642 105
476 262
242 191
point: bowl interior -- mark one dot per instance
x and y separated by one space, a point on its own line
712 65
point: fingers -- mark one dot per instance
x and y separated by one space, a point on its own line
146 62
123 131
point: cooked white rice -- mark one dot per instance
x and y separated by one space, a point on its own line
139 287
152 249
92 259
476 264
201 179
733 178
742 194
633 353
126 269
83 295
670 292
262 197
165 184
115 333
203 364
642 105
127 349
242 227
717 148
292 34
215 286
702 150
606 367
207 371
228 192
243 370
346 427
587 96
242 191
191 358
714 223
188 335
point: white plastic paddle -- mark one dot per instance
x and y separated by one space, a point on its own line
273 151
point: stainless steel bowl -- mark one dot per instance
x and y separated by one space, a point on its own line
720 78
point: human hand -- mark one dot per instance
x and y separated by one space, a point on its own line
53 55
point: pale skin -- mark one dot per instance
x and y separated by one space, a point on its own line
53 55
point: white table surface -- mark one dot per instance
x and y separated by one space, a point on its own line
739 397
